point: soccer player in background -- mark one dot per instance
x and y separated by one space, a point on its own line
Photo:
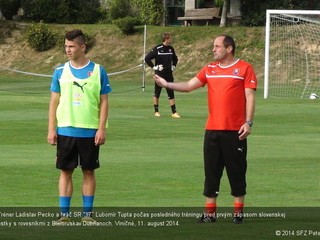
231 84
78 114
165 62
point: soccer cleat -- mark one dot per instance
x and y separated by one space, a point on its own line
63 219
157 114
206 218
175 115
238 218
88 219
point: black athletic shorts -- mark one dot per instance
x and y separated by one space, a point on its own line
157 90
223 149
73 152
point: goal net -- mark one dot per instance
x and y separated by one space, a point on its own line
292 54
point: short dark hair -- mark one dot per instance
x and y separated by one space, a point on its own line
76 34
228 41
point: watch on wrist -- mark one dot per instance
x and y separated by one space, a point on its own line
250 123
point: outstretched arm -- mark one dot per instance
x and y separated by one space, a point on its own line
187 86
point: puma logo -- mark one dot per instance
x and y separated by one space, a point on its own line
78 85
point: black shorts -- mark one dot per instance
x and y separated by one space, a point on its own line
223 149
157 89
73 152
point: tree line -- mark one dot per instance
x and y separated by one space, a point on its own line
145 11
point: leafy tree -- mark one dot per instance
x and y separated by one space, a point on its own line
9 8
254 14
150 11
85 11
119 9
68 11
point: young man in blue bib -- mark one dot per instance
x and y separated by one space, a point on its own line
78 114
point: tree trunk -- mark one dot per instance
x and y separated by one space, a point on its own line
224 13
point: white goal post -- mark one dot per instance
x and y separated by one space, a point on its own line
292 54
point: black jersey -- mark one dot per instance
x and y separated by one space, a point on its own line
163 55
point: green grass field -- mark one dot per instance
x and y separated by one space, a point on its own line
150 162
